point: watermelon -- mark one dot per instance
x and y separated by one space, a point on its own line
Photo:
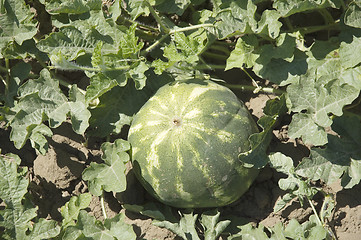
185 145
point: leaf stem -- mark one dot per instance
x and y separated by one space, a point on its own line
343 6
3 69
209 66
139 24
66 84
216 56
156 17
312 29
253 88
154 45
289 24
103 206
220 48
7 77
314 211
184 29
326 16
253 81
169 32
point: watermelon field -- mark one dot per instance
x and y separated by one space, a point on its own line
184 119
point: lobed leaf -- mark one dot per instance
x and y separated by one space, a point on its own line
70 211
318 102
70 41
185 228
155 210
257 157
212 225
294 184
352 14
41 100
348 51
109 176
178 6
88 227
16 23
340 158
16 218
117 106
289 7
72 6
269 25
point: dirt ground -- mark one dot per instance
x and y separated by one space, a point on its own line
56 176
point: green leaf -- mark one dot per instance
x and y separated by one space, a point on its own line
352 16
211 224
279 62
236 17
72 6
281 163
249 232
348 51
257 156
109 176
99 84
44 229
155 210
79 114
118 228
87 226
118 105
269 24
243 53
289 7
318 101
129 44
96 26
281 71
38 140
13 185
137 73
136 8
183 48
178 6
340 158
295 185
185 228
71 209
16 217
16 23
28 48
41 99
69 41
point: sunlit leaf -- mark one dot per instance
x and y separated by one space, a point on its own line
110 175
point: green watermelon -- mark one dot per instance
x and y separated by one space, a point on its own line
185 145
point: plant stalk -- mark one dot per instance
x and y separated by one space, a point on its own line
326 16
209 66
184 29
7 77
216 56
154 45
253 88
312 29
315 212
156 17
103 206
3 69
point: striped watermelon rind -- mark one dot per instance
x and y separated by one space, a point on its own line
185 145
